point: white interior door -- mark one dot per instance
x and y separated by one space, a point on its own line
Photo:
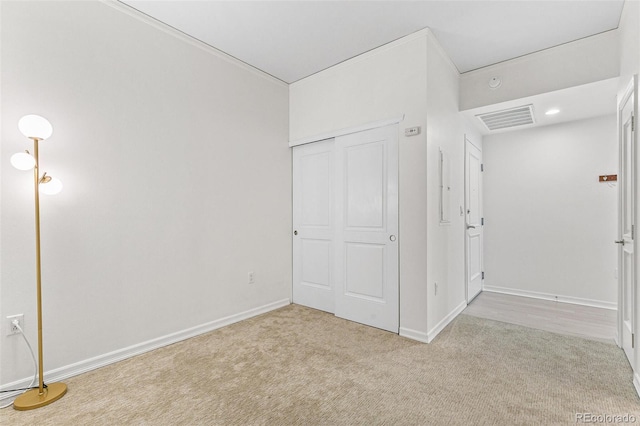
626 224
474 220
313 225
366 261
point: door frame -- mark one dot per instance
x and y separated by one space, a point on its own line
334 137
631 90
464 224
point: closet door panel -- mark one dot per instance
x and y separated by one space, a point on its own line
313 225
366 241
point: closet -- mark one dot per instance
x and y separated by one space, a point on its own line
345 226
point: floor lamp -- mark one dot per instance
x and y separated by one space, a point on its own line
37 129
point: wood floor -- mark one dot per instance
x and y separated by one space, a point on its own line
564 318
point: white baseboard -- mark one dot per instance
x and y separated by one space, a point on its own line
553 297
636 383
81 367
420 336
445 321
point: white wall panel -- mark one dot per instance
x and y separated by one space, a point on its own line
445 132
629 36
385 83
572 64
549 223
177 182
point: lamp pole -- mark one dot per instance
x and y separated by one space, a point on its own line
44 394
36 187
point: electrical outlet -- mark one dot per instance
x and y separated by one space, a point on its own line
251 278
11 328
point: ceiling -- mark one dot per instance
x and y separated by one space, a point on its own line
575 103
293 39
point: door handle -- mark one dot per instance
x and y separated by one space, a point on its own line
392 238
470 226
295 232
619 242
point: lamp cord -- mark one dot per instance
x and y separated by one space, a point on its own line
35 366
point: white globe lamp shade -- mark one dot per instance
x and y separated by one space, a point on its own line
34 126
23 161
53 187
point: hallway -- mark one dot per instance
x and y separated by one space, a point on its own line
563 318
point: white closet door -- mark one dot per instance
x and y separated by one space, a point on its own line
366 260
313 225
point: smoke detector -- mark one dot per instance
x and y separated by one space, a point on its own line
495 82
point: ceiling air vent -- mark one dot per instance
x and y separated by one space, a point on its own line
508 118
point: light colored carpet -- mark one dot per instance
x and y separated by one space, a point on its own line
298 366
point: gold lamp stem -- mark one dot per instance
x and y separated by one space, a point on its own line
42 396
36 184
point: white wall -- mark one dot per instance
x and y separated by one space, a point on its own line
445 249
572 64
177 183
629 30
549 223
384 83
412 76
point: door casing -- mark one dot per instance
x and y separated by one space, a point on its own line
627 210
474 222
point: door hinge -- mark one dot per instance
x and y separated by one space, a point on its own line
633 340
633 231
633 123
483 275
482 221
482 167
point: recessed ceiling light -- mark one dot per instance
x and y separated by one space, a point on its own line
552 111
